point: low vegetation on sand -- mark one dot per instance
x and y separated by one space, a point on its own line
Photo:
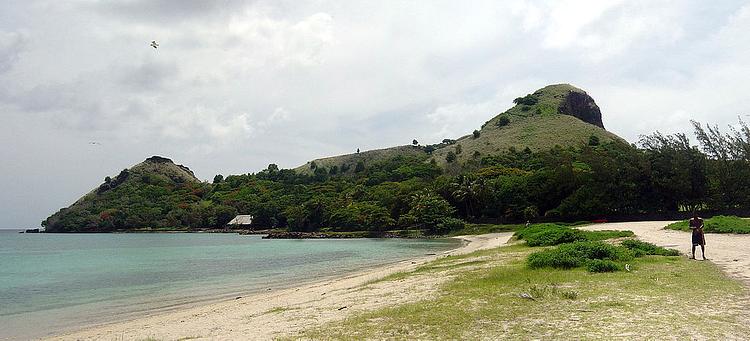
717 224
555 234
493 294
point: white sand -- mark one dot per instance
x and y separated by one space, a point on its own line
731 252
286 312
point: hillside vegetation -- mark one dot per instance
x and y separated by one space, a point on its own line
556 115
414 190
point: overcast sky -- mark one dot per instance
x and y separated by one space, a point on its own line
236 85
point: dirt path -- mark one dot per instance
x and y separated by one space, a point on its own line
286 312
731 252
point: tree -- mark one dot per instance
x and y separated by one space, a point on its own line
107 179
415 142
476 133
428 210
360 167
272 167
502 121
459 149
529 99
218 178
678 171
593 140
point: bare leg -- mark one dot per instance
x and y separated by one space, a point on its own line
703 251
693 256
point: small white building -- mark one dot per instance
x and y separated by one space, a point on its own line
241 221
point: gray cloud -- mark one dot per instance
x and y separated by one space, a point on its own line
236 85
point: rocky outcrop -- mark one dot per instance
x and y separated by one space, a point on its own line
581 106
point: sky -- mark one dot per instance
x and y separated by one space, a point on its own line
236 85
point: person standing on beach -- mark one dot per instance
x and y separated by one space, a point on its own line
696 225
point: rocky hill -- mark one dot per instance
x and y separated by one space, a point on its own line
556 115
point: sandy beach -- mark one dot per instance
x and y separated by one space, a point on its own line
286 312
731 252
289 311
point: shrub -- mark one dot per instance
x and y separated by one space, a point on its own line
573 255
593 140
502 121
529 99
476 133
602 265
640 248
606 234
548 235
449 224
450 157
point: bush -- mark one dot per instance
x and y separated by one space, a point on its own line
529 99
449 224
573 255
640 248
450 157
606 234
602 265
476 133
502 121
555 234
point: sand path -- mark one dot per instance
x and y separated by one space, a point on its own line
731 252
288 311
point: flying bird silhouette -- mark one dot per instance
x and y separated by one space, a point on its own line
94 143
154 44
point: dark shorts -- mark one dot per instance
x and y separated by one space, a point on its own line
698 239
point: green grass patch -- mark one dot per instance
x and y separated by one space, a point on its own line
717 224
640 248
555 234
507 300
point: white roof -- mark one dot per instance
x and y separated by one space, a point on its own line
241 220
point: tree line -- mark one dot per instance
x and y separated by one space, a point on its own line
659 174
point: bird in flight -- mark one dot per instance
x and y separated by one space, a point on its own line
154 44
94 143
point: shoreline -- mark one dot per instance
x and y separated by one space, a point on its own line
257 313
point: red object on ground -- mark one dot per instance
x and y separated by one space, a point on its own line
599 221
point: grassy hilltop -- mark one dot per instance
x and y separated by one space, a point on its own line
556 115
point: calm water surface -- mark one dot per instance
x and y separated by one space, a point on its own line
56 282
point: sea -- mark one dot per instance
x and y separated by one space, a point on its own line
54 283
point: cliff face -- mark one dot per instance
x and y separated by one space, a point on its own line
581 106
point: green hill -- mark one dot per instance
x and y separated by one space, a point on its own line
154 193
556 115
508 169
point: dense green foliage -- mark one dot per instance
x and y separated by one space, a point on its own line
640 249
577 254
717 224
584 248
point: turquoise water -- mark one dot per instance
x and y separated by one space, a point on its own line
56 282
